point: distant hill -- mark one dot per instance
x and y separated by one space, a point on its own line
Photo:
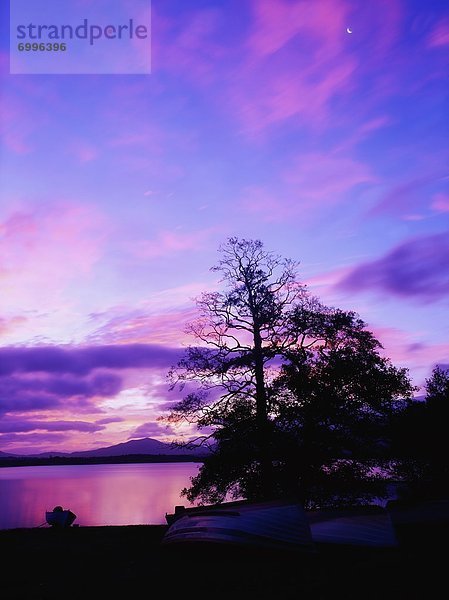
142 446
146 446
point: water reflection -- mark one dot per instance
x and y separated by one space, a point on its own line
129 494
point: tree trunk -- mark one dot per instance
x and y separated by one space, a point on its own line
262 418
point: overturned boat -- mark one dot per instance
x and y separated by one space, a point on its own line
369 526
59 517
419 512
265 525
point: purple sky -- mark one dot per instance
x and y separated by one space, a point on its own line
262 119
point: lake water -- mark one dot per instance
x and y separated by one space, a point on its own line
125 494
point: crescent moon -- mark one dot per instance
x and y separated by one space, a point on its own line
348 30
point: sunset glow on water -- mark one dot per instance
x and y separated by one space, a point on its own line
131 494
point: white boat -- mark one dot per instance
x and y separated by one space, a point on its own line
359 525
59 517
275 524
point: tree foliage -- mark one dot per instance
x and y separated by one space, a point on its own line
297 395
420 439
240 331
334 402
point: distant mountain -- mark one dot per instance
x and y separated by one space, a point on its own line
142 446
146 446
43 454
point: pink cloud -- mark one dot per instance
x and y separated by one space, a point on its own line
23 114
326 280
193 47
408 350
417 268
160 320
364 131
17 124
270 87
440 203
152 429
289 60
9 324
277 23
45 249
293 62
265 203
171 242
32 443
189 47
312 182
304 94
135 146
143 327
322 178
83 150
440 35
14 424
408 198
48 388
135 135
68 229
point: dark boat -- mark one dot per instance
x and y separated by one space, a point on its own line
264 525
59 517
369 526
419 512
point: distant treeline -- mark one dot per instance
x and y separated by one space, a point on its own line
27 461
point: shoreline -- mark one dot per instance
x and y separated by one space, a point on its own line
43 563
102 460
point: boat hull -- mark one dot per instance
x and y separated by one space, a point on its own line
368 526
419 512
261 525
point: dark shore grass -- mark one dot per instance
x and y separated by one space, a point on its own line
127 562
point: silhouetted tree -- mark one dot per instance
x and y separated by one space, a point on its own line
421 444
333 404
278 431
437 403
437 392
242 330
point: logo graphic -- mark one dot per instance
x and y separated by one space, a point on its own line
80 37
